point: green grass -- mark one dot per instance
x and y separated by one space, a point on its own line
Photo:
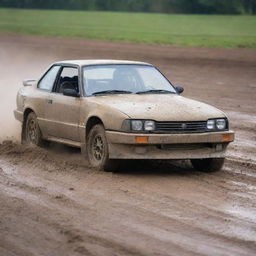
187 30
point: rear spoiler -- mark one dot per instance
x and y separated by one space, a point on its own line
29 82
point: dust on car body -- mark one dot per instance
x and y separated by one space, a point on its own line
118 110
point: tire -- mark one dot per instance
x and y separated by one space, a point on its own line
33 134
97 150
208 164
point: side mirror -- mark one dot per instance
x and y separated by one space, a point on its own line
71 93
179 89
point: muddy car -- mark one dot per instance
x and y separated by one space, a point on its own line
115 110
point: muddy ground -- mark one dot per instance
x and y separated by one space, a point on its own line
52 203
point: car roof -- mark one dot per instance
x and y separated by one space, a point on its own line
100 62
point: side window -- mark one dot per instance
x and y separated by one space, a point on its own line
48 80
68 80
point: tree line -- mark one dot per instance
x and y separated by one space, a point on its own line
160 6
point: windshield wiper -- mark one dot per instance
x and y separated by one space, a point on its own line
155 91
111 92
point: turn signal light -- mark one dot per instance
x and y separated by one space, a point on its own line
141 139
227 137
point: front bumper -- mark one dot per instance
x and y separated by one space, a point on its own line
168 146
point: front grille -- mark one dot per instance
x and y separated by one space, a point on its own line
181 127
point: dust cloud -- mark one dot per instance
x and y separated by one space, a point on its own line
20 60
16 65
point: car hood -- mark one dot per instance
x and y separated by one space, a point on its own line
159 107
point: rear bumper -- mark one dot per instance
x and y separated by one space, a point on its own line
168 146
18 115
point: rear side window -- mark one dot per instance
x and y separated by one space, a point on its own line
68 80
48 80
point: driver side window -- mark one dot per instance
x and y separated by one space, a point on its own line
68 80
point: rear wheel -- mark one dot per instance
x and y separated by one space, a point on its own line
97 150
208 164
33 133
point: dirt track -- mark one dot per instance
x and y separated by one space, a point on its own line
52 203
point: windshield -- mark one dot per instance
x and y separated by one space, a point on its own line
109 79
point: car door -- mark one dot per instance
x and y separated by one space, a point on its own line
63 111
40 99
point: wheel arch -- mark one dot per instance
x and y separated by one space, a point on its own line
27 112
92 121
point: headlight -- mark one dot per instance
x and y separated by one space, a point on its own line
149 126
137 125
221 124
211 124
217 124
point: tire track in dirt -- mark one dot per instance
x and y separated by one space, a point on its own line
154 213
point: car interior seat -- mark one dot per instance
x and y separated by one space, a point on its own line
69 83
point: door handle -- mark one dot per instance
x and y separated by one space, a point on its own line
49 101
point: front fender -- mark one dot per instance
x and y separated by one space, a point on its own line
111 118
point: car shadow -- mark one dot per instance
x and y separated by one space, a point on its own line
156 167
132 167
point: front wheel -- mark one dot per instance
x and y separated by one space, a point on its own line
97 150
208 164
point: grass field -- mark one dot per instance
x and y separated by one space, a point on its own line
186 30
